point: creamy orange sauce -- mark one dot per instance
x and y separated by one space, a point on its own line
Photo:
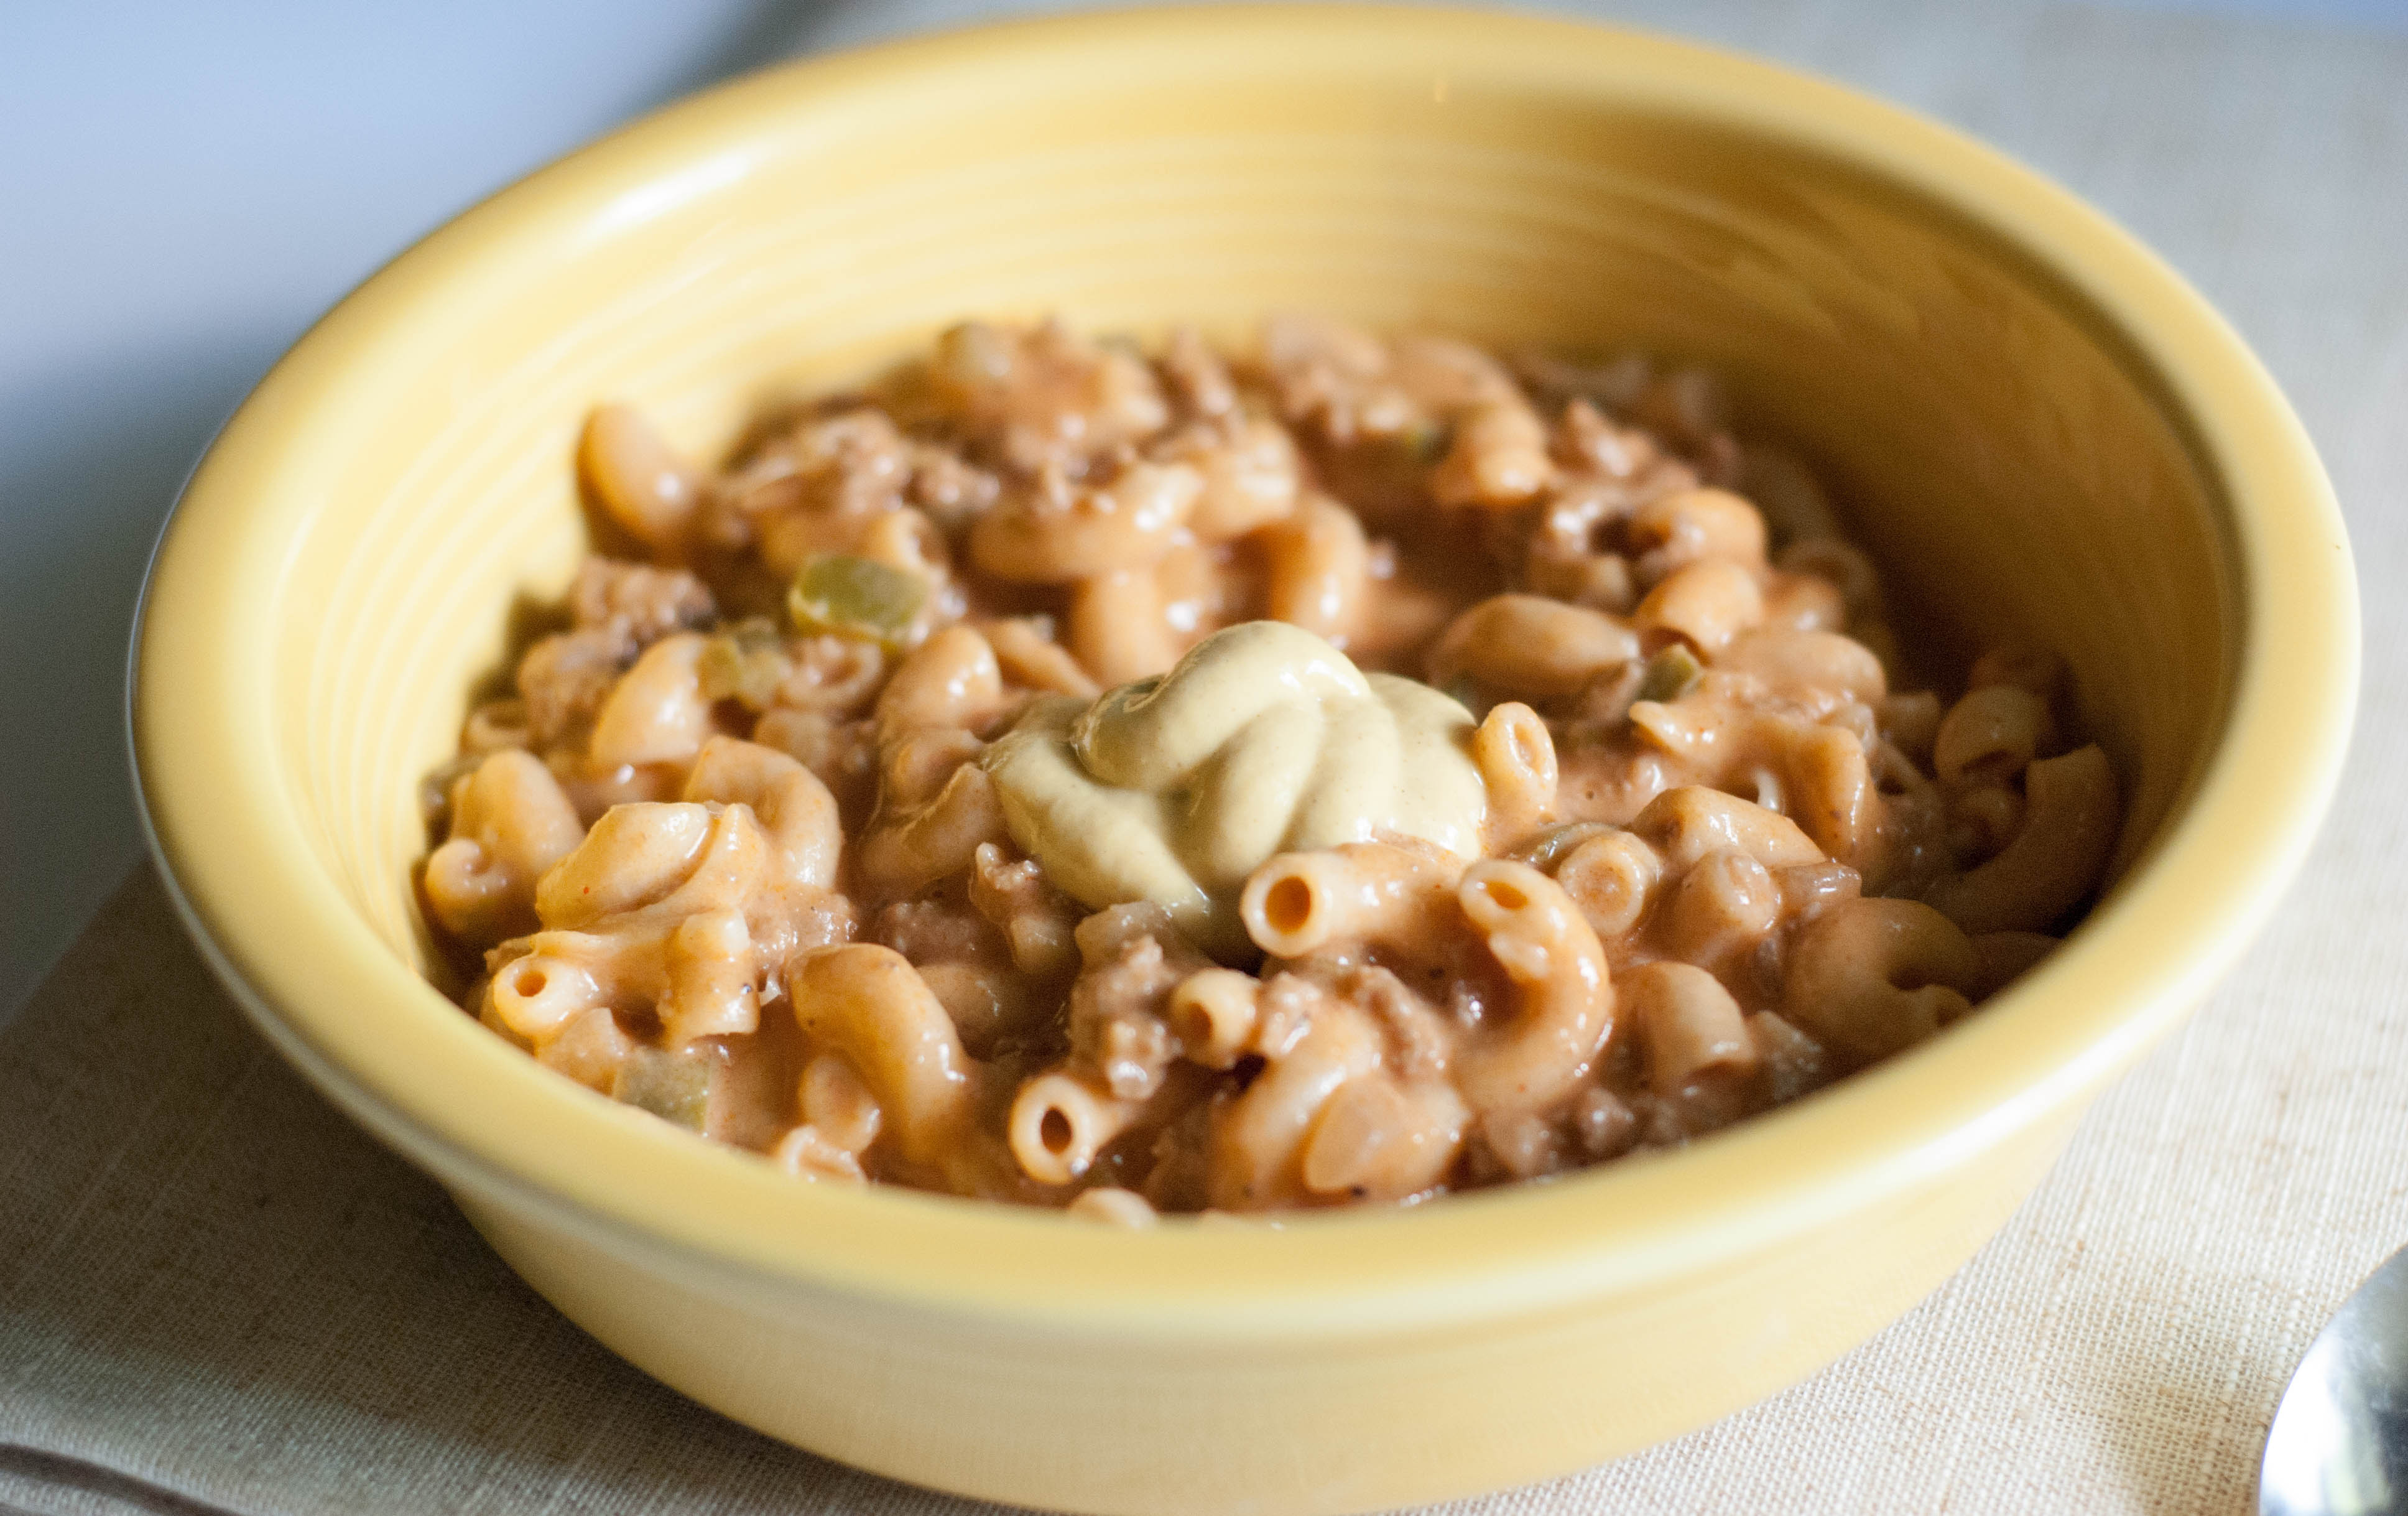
1547 792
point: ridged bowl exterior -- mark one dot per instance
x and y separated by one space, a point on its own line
2037 428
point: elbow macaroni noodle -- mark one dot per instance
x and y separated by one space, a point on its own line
1356 772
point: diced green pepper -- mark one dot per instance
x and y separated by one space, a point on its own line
675 1086
1426 441
745 662
858 598
1669 675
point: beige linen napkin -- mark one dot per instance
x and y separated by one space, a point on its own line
217 1297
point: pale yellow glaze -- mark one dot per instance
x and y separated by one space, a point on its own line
2034 421
1263 739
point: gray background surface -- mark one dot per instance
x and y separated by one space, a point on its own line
182 188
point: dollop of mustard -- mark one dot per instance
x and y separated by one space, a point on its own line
1263 740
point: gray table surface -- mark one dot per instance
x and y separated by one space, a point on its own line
182 188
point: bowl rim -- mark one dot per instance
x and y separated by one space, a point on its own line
262 910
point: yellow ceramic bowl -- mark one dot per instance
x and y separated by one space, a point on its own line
2039 427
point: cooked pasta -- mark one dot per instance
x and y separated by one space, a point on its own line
1352 770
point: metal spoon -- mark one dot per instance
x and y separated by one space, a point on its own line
2339 1445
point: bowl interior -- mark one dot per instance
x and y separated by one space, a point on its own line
1993 446
2013 460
